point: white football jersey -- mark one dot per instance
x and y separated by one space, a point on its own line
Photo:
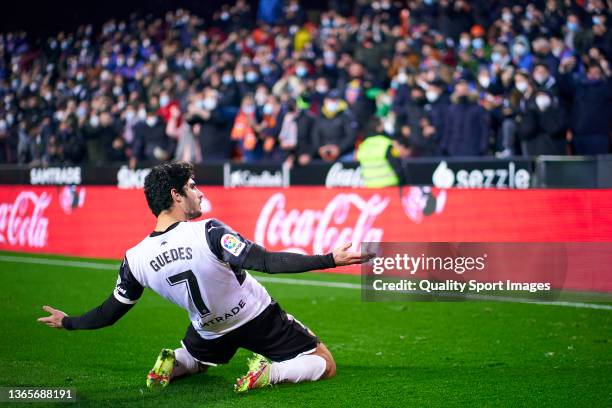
197 266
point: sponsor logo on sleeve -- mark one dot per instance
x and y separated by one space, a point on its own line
232 244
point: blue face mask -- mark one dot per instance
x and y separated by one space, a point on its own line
301 71
477 43
251 76
266 70
226 79
572 26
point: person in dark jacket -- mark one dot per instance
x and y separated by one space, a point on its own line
540 126
466 132
296 132
591 110
416 128
334 131
151 143
210 126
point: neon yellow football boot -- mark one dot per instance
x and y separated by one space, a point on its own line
159 376
258 375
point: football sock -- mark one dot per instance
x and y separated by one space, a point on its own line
185 364
309 367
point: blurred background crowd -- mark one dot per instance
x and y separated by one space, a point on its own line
275 81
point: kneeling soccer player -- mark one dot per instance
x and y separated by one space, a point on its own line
200 266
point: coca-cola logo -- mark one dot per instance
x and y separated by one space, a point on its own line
22 223
346 218
339 176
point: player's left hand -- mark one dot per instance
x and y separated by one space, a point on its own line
343 257
55 318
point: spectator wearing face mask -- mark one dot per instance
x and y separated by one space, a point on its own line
513 105
296 131
544 80
187 145
540 126
316 97
211 128
166 104
243 131
247 82
334 131
269 127
229 94
591 110
437 107
466 131
521 55
151 144
416 131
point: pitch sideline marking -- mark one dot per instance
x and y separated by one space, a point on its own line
291 281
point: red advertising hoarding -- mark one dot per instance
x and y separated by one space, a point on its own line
96 221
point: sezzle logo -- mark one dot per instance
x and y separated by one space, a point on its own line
443 177
22 222
319 231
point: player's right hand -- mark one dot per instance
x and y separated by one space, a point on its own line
343 257
54 319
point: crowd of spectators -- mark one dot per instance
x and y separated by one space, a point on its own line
284 83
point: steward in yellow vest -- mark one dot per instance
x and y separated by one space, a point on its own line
378 162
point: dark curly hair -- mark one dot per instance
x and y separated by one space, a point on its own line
161 180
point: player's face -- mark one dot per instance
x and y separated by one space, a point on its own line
193 199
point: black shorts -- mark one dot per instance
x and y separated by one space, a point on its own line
273 334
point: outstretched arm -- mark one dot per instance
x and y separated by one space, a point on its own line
231 247
104 315
287 262
127 291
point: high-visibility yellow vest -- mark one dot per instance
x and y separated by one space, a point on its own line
375 168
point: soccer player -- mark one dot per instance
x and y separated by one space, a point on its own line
200 266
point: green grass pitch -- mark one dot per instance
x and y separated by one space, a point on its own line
388 354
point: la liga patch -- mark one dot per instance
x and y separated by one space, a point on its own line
232 244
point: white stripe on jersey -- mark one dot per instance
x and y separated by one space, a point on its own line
179 266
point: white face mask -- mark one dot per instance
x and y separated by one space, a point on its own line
521 86
268 109
129 115
209 103
163 101
331 106
402 78
151 121
389 127
431 96
543 102
540 79
484 81
519 49
94 121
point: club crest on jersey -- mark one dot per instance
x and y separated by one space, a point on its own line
232 244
